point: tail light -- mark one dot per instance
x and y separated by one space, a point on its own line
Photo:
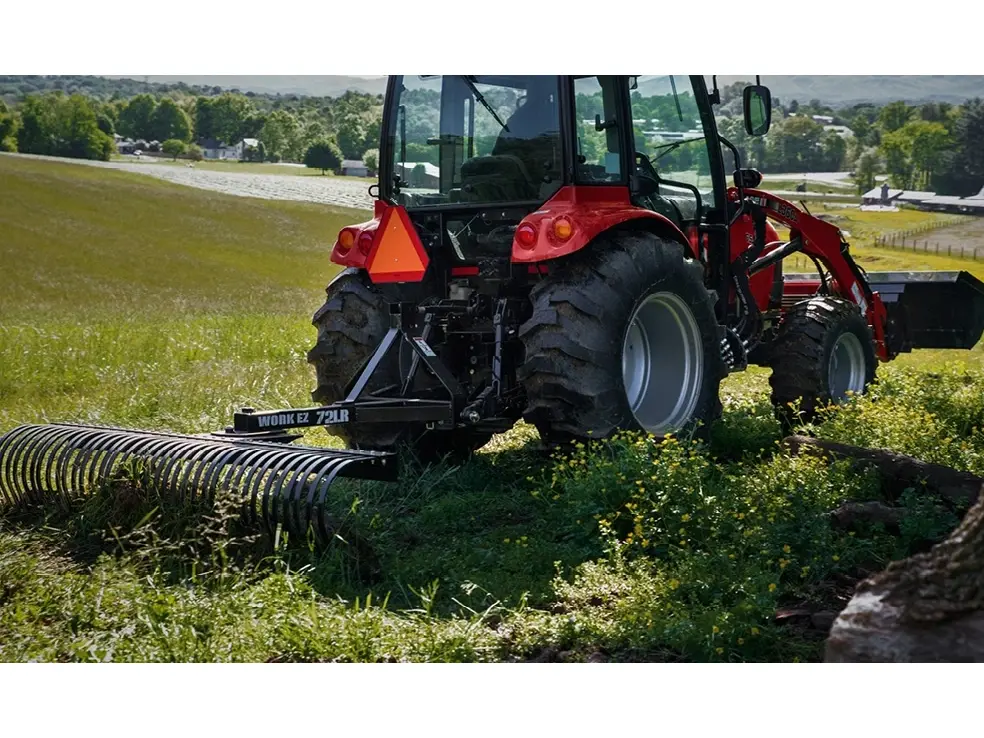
526 236
365 242
346 240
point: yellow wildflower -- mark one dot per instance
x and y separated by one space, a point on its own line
772 587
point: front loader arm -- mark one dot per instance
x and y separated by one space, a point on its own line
825 242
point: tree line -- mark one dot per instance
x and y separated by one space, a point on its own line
71 122
928 146
937 146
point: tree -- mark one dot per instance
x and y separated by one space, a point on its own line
135 118
323 155
105 124
795 145
928 142
894 115
9 125
194 152
896 147
56 125
174 147
865 170
168 121
351 136
227 117
281 136
371 159
834 151
961 171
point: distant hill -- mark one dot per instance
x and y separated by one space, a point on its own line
829 89
314 85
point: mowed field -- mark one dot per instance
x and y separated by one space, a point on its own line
129 301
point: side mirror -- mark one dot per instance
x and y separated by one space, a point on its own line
748 178
758 110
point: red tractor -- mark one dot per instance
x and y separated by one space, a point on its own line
569 250
574 251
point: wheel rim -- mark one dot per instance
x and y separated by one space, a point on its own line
662 363
846 368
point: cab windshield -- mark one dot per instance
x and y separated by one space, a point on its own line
474 139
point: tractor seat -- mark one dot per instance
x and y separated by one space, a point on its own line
501 178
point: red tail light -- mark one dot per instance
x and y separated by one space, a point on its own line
526 236
365 242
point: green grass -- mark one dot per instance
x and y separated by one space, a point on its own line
129 301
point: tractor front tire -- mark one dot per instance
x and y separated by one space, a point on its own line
622 336
351 324
822 351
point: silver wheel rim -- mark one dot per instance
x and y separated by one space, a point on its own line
846 368
662 363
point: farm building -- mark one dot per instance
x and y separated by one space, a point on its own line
354 168
882 195
948 204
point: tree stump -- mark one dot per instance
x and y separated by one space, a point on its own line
927 608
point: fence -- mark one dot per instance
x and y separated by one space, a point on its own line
908 240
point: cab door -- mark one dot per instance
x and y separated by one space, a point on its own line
675 156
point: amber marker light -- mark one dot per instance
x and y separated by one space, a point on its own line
563 228
346 239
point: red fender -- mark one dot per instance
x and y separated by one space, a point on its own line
575 216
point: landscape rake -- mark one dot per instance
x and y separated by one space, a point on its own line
281 486
550 263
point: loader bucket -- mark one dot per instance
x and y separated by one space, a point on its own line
932 310
279 485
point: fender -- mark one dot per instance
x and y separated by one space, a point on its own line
575 216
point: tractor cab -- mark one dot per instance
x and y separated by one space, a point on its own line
486 151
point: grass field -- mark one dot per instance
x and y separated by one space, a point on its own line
125 300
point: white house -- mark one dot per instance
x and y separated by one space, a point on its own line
217 150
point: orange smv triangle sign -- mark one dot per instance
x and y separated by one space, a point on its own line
398 255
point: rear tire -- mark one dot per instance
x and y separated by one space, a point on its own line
823 350
351 324
632 300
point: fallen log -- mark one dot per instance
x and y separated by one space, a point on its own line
850 514
901 471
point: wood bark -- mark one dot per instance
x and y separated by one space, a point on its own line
929 607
